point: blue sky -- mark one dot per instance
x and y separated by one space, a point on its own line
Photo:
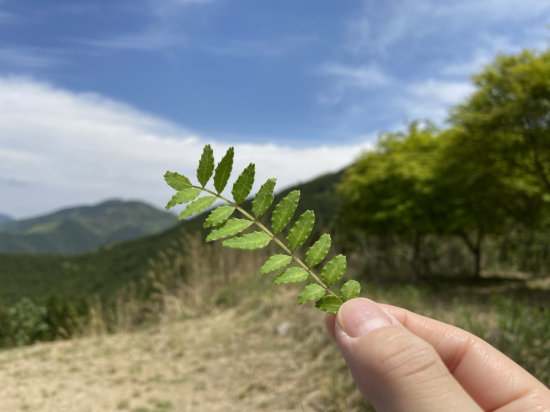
98 98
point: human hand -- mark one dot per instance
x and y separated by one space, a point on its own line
402 361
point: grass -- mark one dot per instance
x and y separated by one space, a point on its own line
226 339
226 366
510 313
44 227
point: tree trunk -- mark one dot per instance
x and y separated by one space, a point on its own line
476 247
415 257
477 264
539 167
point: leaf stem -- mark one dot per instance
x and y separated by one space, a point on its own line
272 236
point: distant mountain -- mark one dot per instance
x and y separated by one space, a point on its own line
103 272
4 219
85 228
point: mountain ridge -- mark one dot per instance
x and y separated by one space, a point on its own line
105 271
81 229
5 218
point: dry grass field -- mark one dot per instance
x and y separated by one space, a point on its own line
224 338
273 358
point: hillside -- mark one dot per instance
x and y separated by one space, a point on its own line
85 228
4 219
104 271
101 272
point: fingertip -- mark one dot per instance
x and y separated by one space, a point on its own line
360 316
393 368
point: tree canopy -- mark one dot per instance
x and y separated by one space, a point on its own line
390 189
508 117
488 171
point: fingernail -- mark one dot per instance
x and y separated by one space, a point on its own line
359 316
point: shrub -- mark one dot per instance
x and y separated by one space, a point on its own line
27 322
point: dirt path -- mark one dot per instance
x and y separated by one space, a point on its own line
221 362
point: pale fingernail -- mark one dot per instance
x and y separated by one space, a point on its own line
360 316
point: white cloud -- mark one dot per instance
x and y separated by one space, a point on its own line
364 77
472 64
366 34
60 148
254 47
491 10
163 28
489 46
429 74
165 37
378 29
328 99
149 40
431 99
26 57
445 92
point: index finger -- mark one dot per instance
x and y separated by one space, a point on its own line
492 379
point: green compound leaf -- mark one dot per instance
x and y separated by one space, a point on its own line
301 230
264 198
218 216
350 290
223 170
229 228
312 291
197 206
177 181
291 275
318 251
183 196
206 165
333 270
329 303
284 211
254 240
275 262
243 184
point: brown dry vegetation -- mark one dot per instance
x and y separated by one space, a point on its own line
265 359
227 339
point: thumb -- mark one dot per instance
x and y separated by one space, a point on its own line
395 369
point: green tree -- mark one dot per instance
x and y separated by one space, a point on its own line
509 117
502 145
425 182
477 194
390 190
490 171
